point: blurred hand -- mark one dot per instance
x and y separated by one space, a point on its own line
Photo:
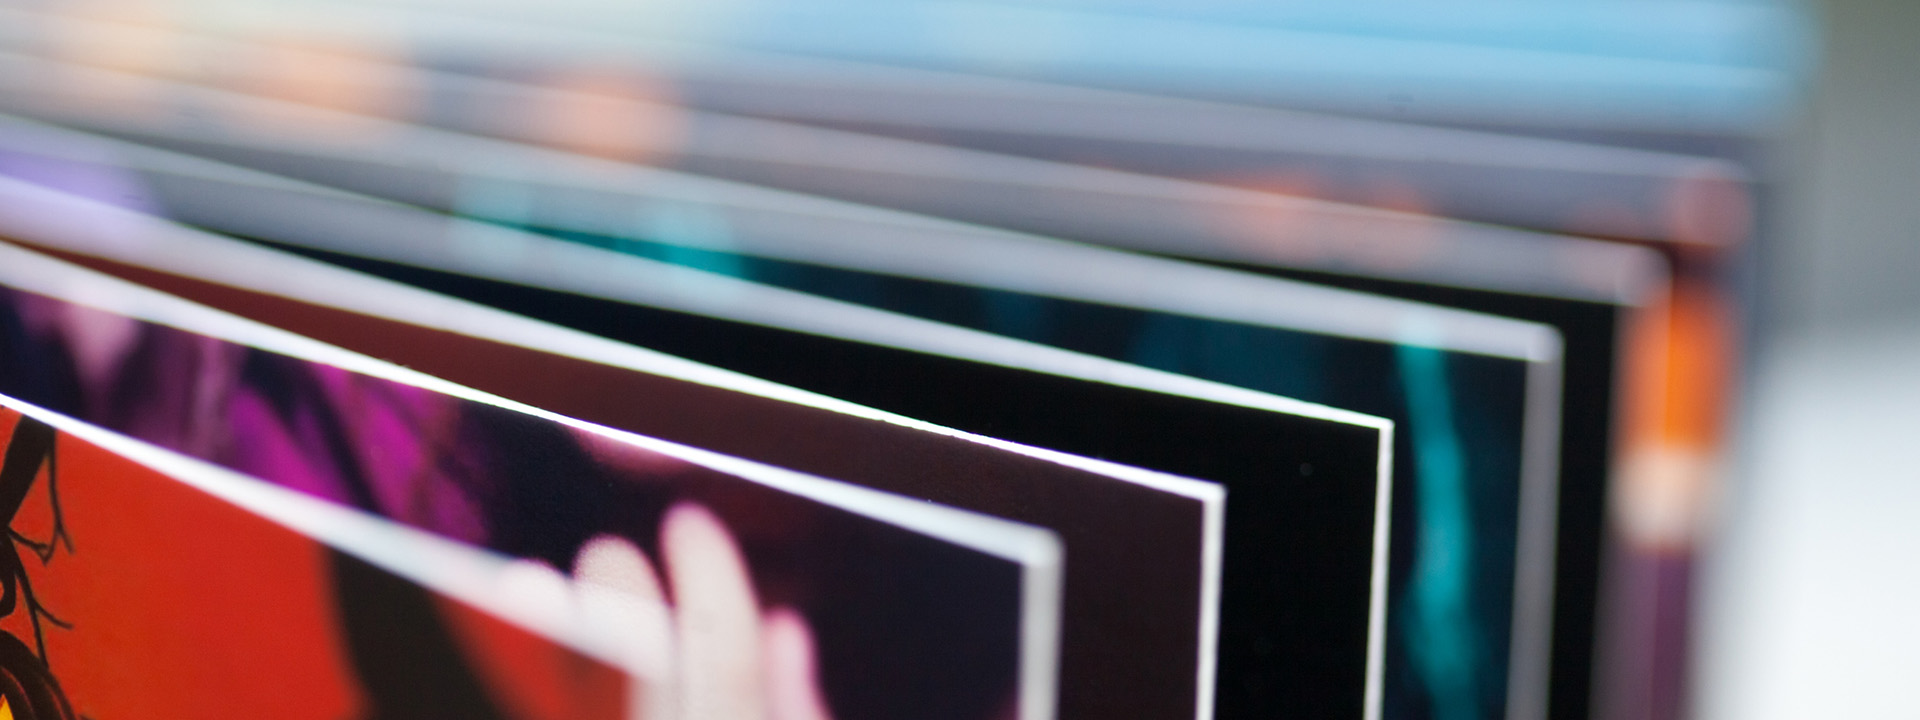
707 652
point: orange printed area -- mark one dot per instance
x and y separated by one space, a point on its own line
6 709
359 79
1679 365
132 36
1281 229
1276 231
618 115
1289 228
362 75
119 37
358 76
1296 184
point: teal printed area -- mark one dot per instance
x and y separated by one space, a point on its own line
1437 616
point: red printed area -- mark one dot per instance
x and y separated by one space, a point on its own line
531 677
180 605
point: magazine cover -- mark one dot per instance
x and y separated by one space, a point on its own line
870 605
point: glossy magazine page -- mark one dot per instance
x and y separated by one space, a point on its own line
840 585
1332 578
661 215
142 583
1286 338
1023 392
1146 546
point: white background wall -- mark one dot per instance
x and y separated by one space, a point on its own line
1810 601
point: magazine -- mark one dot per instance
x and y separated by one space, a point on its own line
956 614
1330 580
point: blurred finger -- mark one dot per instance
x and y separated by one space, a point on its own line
790 668
533 588
717 616
615 563
620 594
